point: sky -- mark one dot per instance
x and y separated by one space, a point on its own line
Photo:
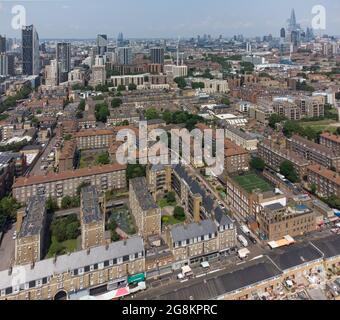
66 19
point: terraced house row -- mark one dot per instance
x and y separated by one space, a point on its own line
105 267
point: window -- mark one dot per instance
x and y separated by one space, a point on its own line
87 269
106 263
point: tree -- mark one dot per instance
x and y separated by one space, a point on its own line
112 226
9 207
179 214
152 114
207 74
103 159
115 236
132 87
72 230
257 164
116 102
121 87
167 117
275 119
102 112
292 127
180 82
197 85
51 205
225 101
135 171
171 197
66 202
288 170
82 105
313 188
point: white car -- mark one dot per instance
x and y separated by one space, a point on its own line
180 276
14 235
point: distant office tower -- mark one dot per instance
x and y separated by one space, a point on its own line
248 47
2 44
283 33
43 47
30 51
10 64
3 64
101 44
64 60
157 55
120 40
295 38
125 55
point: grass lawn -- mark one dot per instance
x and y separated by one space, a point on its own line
170 220
68 245
250 182
323 125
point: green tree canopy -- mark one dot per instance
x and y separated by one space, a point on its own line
116 102
257 164
198 85
179 214
132 87
288 170
152 114
102 112
103 158
180 82
274 119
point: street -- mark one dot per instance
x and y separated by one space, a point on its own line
36 170
7 249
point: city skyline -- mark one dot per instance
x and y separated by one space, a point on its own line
182 19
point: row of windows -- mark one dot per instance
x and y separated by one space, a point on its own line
75 272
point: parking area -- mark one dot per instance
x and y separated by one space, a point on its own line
7 249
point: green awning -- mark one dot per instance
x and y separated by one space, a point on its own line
136 278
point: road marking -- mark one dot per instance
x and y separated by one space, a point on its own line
214 271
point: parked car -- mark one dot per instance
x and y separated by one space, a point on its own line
252 239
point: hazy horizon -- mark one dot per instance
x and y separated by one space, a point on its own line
76 19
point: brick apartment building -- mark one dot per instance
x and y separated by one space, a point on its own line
276 221
327 182
94 139
274 154
315 153
247 199
57 186
331 141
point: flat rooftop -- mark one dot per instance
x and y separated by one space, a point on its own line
249 274
294 256
251 181
329 246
